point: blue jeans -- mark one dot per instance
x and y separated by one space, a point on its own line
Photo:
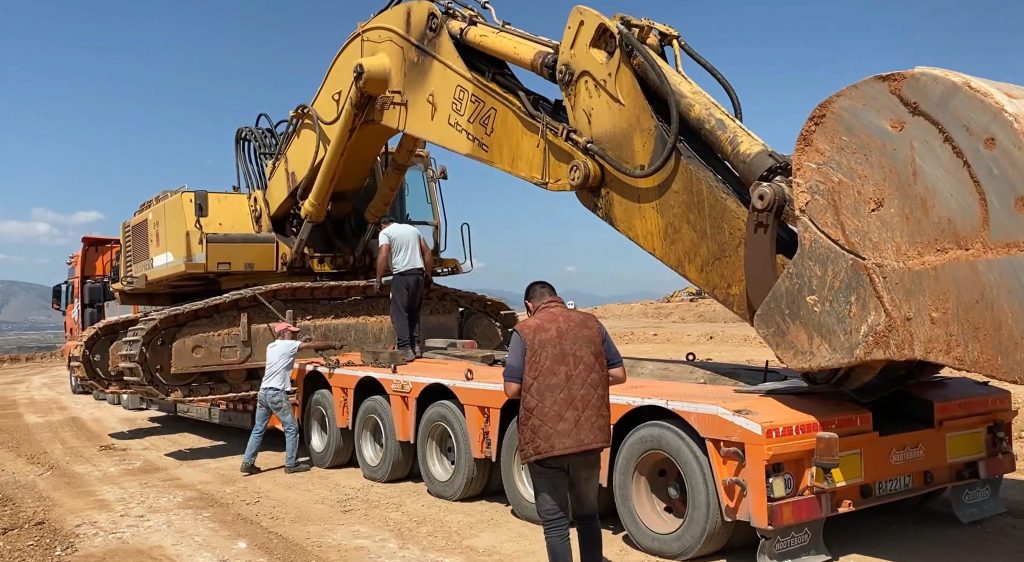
274 401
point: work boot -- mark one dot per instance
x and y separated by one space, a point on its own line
250 468
410 356
296 468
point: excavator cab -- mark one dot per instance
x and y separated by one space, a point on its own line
418 201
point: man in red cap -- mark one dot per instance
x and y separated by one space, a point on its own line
273 397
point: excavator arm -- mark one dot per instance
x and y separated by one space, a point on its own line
805 258
443 76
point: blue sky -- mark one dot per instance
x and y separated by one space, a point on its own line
106 103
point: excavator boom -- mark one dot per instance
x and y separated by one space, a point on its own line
874 259
887 246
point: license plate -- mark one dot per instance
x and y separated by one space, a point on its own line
894 485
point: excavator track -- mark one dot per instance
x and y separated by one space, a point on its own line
214 346
89 359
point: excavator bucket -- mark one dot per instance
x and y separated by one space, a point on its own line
909 198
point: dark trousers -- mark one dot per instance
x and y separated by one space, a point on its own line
559 482
406 296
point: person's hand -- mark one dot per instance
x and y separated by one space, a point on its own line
376 285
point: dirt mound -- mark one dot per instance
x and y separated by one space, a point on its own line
41 357
703 311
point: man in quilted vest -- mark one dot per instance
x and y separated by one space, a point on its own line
560 365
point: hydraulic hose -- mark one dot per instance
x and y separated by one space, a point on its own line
664 90
718 76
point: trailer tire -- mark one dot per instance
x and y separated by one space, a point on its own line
382 457
516 478
445 455
659 469
328 445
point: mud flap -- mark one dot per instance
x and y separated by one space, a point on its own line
799 543
977 500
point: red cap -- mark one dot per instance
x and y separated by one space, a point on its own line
282 326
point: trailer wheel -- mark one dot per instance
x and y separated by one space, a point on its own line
329 445
382 457
445 458
665 493
516 478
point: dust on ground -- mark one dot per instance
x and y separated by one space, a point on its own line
81 480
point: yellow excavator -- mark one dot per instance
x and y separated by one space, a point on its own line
848 257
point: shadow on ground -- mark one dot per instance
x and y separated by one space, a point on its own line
231 441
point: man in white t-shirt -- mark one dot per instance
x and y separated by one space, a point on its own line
403 249
273 397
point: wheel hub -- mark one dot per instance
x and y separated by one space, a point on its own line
371 442
442 453
523 481
659 492
318 430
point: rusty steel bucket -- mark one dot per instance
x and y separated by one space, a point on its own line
909 204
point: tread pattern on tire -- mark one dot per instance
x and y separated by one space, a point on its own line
523 507
673 438
470 474
340 444
397 456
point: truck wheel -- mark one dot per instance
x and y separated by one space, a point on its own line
665 493
382 457
329 445
446 462
516 478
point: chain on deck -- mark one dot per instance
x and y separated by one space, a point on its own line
144 382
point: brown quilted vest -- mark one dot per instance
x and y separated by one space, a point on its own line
564 405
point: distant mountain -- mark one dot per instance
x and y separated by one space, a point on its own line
581 298
26 306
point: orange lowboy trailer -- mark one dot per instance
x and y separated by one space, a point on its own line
692 466
780 462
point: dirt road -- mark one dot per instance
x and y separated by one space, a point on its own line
81 480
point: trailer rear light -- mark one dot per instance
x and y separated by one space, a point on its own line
965 445
794 511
